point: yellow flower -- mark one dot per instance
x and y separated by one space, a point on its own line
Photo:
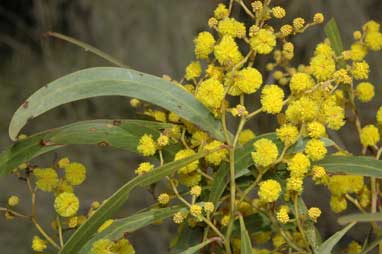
369 135
342 184
323 67
318 18
365 91
294 184
210 93
144 167
47 179
190 179
301 82
227 52
316 129
123 246
199 138
379 116
13 200
162 140
102 246
298 165
272 99
354 248
225 220
179 217
282 215
209 207
221 11
105 225
217 157
269 191
263 41
196 190
319 174
360 70
204 45
334 116
182 154
374 41
302 110
231 27
38 244
135 102
146 145
66 204
298 23
196 210
338 204
288 134
163 199
62 163
193 70
248 80
286 30
75 173
358 51
247 135
315 149
371 26
278 12
314 213
215 72
266 152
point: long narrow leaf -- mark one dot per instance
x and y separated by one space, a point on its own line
107 209
246 245
109 81
196 248
333 33
219 184
360 217
123 134
327 246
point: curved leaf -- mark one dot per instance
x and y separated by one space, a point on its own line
196 248
360 217
353 165
327 246
219 184
112 204
124 134
311 231
333 33
246 245
113 81
130 224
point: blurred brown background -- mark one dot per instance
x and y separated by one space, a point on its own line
148 35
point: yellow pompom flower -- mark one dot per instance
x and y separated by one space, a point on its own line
196 210
316 129
204 45
365 91
288 134
199 138
179 217
146 145
47 179
190 179
265 153
295 184
217 157
334 116
342 184
314 213
163 199
210 93
75 173
298 23
338 204
135 102
286 30
282 215
373 41
318 18
300 82
196 190
38 244
263 41
105 225
182 154
13 200
360 70
358 51
63 162
102 246
298 165
354 248
318 174
248 80
221 11
369 135
123 246
247 135
272 99
269 191
66 204
144 167
227 52
278 12
209 207
225 220
215 72
162 140
379 116
302 110
231 27
315 149
193 70
323 67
